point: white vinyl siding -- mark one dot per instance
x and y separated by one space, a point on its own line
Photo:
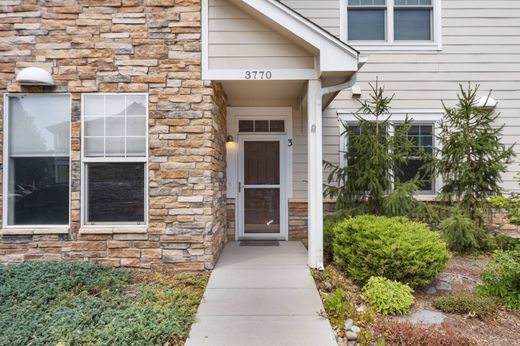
480 44
324 13
238 41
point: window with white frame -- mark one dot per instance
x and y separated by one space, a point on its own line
391 21
37 160
421 135
115 154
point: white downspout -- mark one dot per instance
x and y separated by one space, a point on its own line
315 166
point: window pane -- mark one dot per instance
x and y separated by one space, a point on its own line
413 2
39 125
115 126
277 126
366 2
412 24
125 117
38 191
95 147
94 126
136 105
94 105
136 147
411 169
246 126
422 139
261 211
136 126
261 125
115 192
366 24
115 146
116 105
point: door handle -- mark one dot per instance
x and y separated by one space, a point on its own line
239 187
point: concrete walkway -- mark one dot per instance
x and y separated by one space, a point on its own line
261 295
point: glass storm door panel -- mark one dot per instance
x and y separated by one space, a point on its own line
261 190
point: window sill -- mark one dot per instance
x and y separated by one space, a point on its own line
34 231
396 46
113 230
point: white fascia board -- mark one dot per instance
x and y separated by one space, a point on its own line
335 55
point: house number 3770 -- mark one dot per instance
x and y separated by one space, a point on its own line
258 75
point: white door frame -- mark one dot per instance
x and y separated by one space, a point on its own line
240 207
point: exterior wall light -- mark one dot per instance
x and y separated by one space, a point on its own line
229 139
34 76
486 102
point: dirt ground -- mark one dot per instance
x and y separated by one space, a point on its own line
500 330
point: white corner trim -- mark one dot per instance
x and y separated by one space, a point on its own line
204 39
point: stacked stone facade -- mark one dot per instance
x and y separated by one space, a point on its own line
146 46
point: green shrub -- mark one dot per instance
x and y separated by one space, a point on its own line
388 297
394 248
86 304
401 201
504 242
466 303
502 279
337 307
462 234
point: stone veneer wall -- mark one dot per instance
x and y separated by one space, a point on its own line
298 224
149 46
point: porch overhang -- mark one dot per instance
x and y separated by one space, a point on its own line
334 67
333 58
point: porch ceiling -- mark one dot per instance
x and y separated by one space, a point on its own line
262 93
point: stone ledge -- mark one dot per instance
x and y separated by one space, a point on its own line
113 230
34 231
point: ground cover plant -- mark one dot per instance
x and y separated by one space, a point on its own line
88 304
400 333
395 248
466 303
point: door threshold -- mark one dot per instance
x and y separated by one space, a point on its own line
259 243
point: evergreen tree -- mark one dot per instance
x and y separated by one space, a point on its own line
471 156
373 156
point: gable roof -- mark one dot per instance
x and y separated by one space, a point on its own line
335 55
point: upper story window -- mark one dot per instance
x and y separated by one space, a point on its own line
372 24
37 160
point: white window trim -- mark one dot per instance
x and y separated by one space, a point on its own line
390 44
417 116
85 160
61 228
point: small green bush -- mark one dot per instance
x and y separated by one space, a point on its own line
388 297
502 279
462 234
394 248
466 303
